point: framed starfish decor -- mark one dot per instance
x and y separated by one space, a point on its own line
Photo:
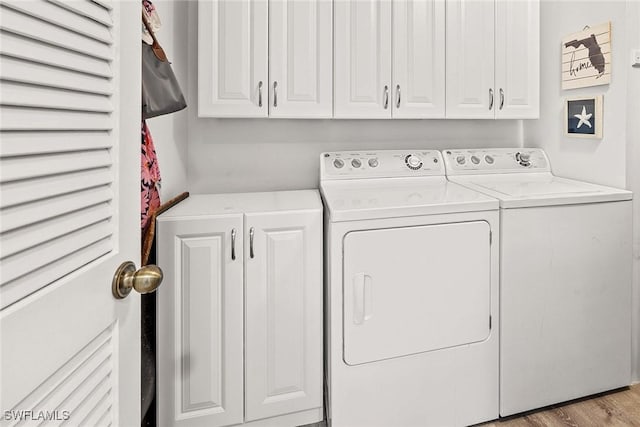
584 117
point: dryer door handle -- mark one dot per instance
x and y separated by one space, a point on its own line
362 298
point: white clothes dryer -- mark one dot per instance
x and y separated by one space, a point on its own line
411 294
565 277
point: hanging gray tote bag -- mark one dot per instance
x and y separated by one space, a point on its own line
161 93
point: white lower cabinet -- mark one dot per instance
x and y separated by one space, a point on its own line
239 317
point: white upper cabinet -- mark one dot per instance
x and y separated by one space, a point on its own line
493 59
470 59
369 59
362 58
518 59
300 58
418 59
389 58
232 58
259 58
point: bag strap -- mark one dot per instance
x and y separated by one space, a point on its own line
157 49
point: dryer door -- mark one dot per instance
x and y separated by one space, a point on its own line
415 289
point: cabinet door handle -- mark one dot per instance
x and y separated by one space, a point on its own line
490 98
233 244
386 97
501 98
398 94
251 232
275 94
260 93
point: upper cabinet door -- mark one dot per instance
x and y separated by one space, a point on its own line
300 58
418 58
518 59
232 58
362 58
283 313
470 59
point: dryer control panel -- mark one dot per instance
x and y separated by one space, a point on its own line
495 160
380 164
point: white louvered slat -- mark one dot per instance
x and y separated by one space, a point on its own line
28 143
86 376
37 257
17 168
105 420
19 240
25 25
87 8
91 398
34 51
43 97
23 216
38 279
25 191
107 4
12 118
99 383
101 409
20 71
56 15
50 394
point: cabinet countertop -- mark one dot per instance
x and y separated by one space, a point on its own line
235 203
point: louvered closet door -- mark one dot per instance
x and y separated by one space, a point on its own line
69 193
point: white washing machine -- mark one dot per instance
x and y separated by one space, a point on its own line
411 294
565 277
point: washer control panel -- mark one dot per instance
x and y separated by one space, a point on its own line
495 160
380 164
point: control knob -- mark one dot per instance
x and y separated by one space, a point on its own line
461 160
373 162
475 160
338 163
356 163
524 159
413 162
489 159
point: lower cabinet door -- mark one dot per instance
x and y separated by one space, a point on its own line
283 313
200 322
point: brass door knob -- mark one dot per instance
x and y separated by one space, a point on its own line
145 280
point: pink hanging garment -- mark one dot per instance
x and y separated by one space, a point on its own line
150 178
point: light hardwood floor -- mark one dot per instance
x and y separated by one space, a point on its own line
619 408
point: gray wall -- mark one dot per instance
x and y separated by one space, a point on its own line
614 160
226 155
633 166
600 161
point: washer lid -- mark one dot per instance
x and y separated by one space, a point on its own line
539 189
399 197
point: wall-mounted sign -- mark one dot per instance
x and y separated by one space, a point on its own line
584 117
586 57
